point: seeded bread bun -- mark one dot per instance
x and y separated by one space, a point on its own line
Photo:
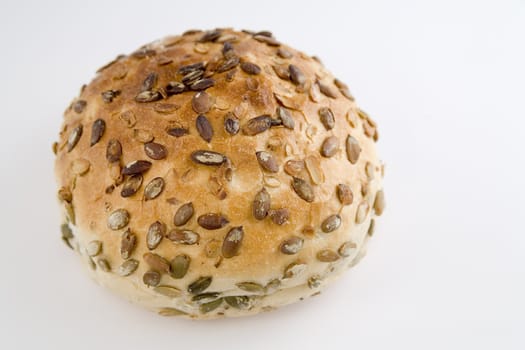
217 173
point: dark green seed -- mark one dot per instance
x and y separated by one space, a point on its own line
200 285
179 266
151 278
212 305
238 302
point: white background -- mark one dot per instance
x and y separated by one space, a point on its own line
445 80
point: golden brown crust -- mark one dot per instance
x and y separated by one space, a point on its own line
253 88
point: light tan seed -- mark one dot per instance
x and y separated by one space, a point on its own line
362 212
74 137
200 285
80 166
351 118
282 72
279 216
128 118
165 108
157 262
154 188
327 117
331 223
379 203
314 93
346 249
294 167
179 266
267 161
344 194
292 245
271 181
251 287
118 219
93 248
371 228
261 204
369 170
131 185
202 102
353 150
128 242
330 146
327 255
113 151
156 232
169 311
142 136
232 242
183 214
151 278
303 189
103 265
65 195
212 221
127 267
168 291
313 166
183 237
294 269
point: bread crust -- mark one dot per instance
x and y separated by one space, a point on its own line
228 188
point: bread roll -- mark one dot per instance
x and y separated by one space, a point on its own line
217 173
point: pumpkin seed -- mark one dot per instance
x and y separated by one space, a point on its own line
204 127
74 137
175 88
294 167
205 297
272 286
150 82
79 106
330 146
148 96
327 90
209 307
97 131
201 102
346 249
200 285
284 115
177 132
202 84
113 151
183 214
379 203
93 248
352 149
118 219
261 204
136 167
179 266
109 95
267 40
80 166
314 282
191 67
303 189
327 255
127 267
250 68
128 242
169 311
168 291
284 53
279 216
251 287
155 150
371 228
228 64
156 232
232 242
183 237
157 262
331 223
282 72
327 117
257 125
210 36
267 161
231 124
238 302
103 265
296 75
292 245
208 157
294 269
212 221
151 278
131 185
154 188
344 194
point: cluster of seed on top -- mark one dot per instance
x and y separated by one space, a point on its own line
196 78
